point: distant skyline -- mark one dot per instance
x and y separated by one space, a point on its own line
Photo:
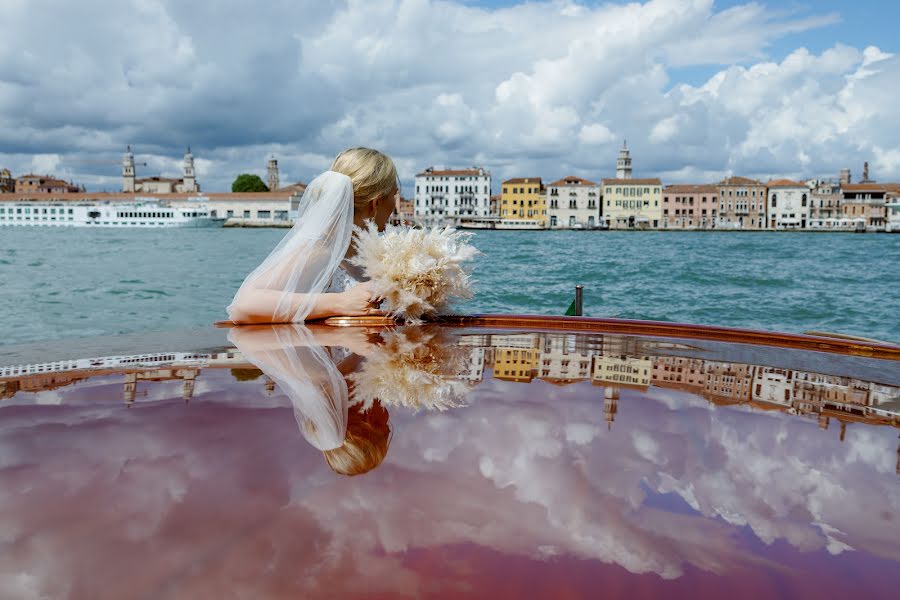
700 89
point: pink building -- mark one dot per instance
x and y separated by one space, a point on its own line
689 206
742 204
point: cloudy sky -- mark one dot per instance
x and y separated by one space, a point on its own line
699 88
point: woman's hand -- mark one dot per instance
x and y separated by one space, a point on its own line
359 301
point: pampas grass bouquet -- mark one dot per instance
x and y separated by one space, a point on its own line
418 272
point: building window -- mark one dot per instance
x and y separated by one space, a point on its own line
774 200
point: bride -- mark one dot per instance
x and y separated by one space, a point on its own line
307 276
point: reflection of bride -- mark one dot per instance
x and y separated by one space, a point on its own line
307 276
354 439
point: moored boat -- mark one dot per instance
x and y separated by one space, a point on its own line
93 214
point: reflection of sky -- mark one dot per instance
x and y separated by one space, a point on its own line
524 491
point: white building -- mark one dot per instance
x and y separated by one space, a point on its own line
159 185
892 208
788 204
448 195
561 360
573 203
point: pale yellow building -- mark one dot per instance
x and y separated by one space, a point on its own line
632 203
515 356
523 198
622 371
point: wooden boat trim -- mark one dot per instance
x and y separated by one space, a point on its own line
818 343
678 330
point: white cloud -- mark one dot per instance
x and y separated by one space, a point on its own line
545 88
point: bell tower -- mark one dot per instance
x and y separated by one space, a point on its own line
128 171
623 164
190 179
272 172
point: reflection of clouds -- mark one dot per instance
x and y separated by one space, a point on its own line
223 498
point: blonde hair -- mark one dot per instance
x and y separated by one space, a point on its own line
366 443
373 173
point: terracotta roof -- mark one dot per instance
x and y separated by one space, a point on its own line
445 172
739 181
786 183
523 180
299 186
572 180
137 196
649 181
691 188
870 187
54 182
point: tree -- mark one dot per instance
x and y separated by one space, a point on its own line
246 182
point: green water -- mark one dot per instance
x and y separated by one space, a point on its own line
64 283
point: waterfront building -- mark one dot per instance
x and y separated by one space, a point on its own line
864 204
825 202
742 204
892 211
43 184
523 198
689 206
573 203
403 210
443 196
632 203
159 185
788 204
495 205
7 183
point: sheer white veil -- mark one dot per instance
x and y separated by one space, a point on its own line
305 373
303 263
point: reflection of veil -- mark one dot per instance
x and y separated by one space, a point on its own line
304 371
302 264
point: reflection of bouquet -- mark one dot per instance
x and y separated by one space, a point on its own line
414 368
418 272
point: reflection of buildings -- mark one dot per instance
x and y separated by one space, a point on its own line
474 365
773 386
515 356
163 366
187 375
622 371
562 360
728 383
610 361
680 373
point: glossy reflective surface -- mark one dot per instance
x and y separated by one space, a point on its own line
493 464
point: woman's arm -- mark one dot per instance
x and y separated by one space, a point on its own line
261 305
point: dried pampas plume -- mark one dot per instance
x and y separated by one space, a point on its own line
418 272
414 368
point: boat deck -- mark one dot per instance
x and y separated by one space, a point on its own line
484 456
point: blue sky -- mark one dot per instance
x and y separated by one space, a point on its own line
699 89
